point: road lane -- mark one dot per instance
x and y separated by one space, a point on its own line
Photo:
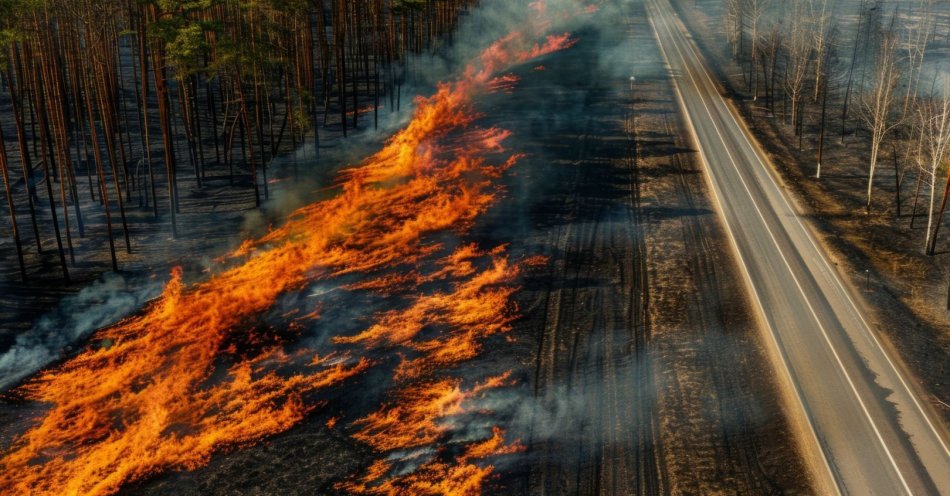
874 436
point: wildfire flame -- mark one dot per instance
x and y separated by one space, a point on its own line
197 372
417 419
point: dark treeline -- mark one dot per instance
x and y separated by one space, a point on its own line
111 105
857 69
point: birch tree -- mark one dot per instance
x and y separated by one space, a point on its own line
798 48
933 116
755 9
735 12
828 64
769 48
820 13
917 34
878 101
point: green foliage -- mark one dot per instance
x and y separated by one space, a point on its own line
183 33
185 50
302 120
12 30
8 36
407 5
183 6
306 98
285 6
260 47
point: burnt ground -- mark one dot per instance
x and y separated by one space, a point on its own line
904 291
212 216
642 321
640 367
48 317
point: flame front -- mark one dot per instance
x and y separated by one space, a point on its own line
197 371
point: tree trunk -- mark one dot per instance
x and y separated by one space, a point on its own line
100 174
168 143
13 223
873 166
943 207
25 161
913 212
821 128
898 179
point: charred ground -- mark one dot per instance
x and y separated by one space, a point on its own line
641 370
638 363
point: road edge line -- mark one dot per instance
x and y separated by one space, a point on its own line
806 437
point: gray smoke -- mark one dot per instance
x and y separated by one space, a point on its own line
107 300
114 297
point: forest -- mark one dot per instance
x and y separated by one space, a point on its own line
872 72
120 107
461 247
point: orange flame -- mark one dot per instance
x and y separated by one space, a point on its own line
413 420
416 419
194 374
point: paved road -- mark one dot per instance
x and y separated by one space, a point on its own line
874 436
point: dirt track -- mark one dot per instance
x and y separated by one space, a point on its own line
641 365
641 370
643 320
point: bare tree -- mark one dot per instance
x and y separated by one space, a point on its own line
798 51
828 63
877 101
943 207
933 124
856 54
819 14
915 29
917 155
917 33
768 58
735 12
755 9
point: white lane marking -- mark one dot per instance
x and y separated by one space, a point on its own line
824 332
834 275
908 391
747 273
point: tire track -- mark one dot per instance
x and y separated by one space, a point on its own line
594 335
641 324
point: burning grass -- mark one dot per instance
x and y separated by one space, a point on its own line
174 388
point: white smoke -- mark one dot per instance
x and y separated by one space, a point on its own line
104 302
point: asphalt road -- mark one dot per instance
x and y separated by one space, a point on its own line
874 435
